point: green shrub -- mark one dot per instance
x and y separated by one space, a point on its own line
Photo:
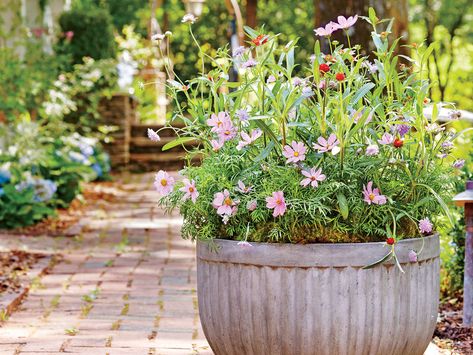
92 34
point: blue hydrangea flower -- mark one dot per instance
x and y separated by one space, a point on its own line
43 189
5 176
98 169
78 157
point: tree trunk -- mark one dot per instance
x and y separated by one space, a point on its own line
326 11
251 6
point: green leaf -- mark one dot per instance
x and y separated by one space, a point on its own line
265 152
250 32
372 15
177 142
441 202
342 205
362 92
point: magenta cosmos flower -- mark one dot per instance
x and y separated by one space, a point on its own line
327 145
312 177
224 204
373 195
425 226
345 23
153 135
276 202
327 30
295 152
163 182
247 139
386 139
216 120
189 190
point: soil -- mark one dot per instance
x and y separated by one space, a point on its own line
449 333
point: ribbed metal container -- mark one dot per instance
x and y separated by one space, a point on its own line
284 299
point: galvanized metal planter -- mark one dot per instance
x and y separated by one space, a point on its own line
284 299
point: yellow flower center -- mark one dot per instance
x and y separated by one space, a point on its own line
164 182
278 201
219 123
191 189
228 201
371 197
296 154
227 133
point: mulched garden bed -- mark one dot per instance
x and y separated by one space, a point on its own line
449 333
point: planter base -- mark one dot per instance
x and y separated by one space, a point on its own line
283 299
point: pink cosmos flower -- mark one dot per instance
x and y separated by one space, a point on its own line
224 204
425 226
345 23
251 205
189 190
226 131
373 195
216 144
372 150
248 138
295 152
216 120
153 135
242 188
69 35
312 177
327 30
163 182
276 202
386 139
412 255
327 145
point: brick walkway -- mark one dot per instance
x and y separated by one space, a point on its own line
126 285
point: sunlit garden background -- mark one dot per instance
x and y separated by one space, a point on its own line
83 79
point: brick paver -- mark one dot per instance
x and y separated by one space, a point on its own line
126 284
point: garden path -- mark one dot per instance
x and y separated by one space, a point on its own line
126 283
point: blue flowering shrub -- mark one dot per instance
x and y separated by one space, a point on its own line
41 169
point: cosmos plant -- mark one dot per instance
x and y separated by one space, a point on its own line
336 149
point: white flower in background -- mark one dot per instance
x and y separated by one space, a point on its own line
158 37
189 18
